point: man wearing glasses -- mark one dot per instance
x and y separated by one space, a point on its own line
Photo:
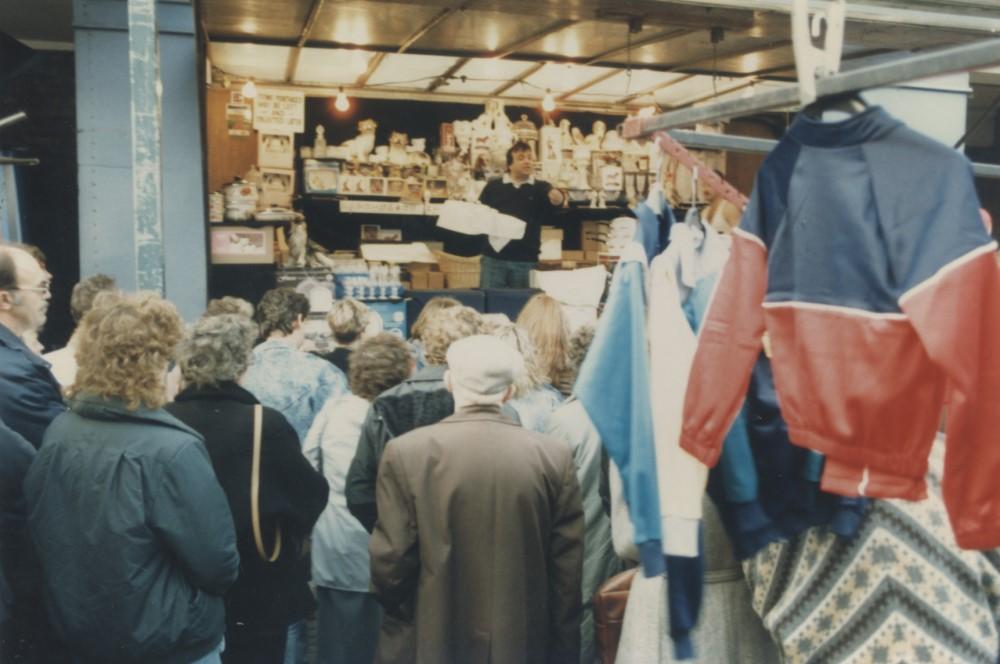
29 394
29 400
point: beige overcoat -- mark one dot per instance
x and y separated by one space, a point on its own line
479 544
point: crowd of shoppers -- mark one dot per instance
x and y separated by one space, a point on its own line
196 494
174 493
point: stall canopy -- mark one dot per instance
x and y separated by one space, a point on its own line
612 55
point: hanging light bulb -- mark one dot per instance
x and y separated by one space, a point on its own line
548 102
342 103
249 89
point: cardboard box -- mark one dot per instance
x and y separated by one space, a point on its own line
418 280
552 233
594 235
591 256
435 280
572 255
551 245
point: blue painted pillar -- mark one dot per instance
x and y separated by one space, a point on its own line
144 78
142 213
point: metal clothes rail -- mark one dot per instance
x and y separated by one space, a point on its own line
979 54
728 142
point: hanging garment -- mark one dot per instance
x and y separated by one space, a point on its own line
863 256
655 221
899 591
613 386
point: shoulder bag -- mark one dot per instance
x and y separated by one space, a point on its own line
258 416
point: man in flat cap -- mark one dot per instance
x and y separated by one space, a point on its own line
479 538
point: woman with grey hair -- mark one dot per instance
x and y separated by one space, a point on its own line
348 319
268 596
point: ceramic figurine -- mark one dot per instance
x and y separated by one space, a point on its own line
397 148
596 138
359 147
319 143
566 141
297 239
446 139
463 135
525 130
550 152
613 142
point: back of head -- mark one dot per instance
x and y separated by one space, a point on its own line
216 350
447 326
124 347
278 310
229 305
532 377
348 319
377 364
481 370
579 344
433 305
543 319
82 298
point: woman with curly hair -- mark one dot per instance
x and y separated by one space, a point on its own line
132 529
433 306
348 617
268 597
543 319
283 376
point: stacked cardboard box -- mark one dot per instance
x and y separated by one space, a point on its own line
593 238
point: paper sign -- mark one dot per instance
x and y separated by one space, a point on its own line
238 118
279 111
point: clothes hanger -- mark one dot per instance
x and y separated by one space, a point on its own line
850 103
655 197
693 216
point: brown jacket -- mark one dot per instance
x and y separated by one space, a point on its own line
479 543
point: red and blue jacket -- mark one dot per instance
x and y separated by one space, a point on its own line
863 257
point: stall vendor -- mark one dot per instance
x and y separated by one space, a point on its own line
518 194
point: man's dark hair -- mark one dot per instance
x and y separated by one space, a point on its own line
520 146
278 310
82 299
8 269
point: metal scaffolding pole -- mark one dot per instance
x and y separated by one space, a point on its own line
959 58
707 141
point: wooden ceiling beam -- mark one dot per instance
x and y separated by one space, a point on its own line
437 20
514 47
653 88
373 64
653 39
751 80
701 62
594 81
451 71
307 28
523 75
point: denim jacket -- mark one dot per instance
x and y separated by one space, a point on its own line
292 382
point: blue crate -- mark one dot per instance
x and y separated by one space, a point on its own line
393 315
